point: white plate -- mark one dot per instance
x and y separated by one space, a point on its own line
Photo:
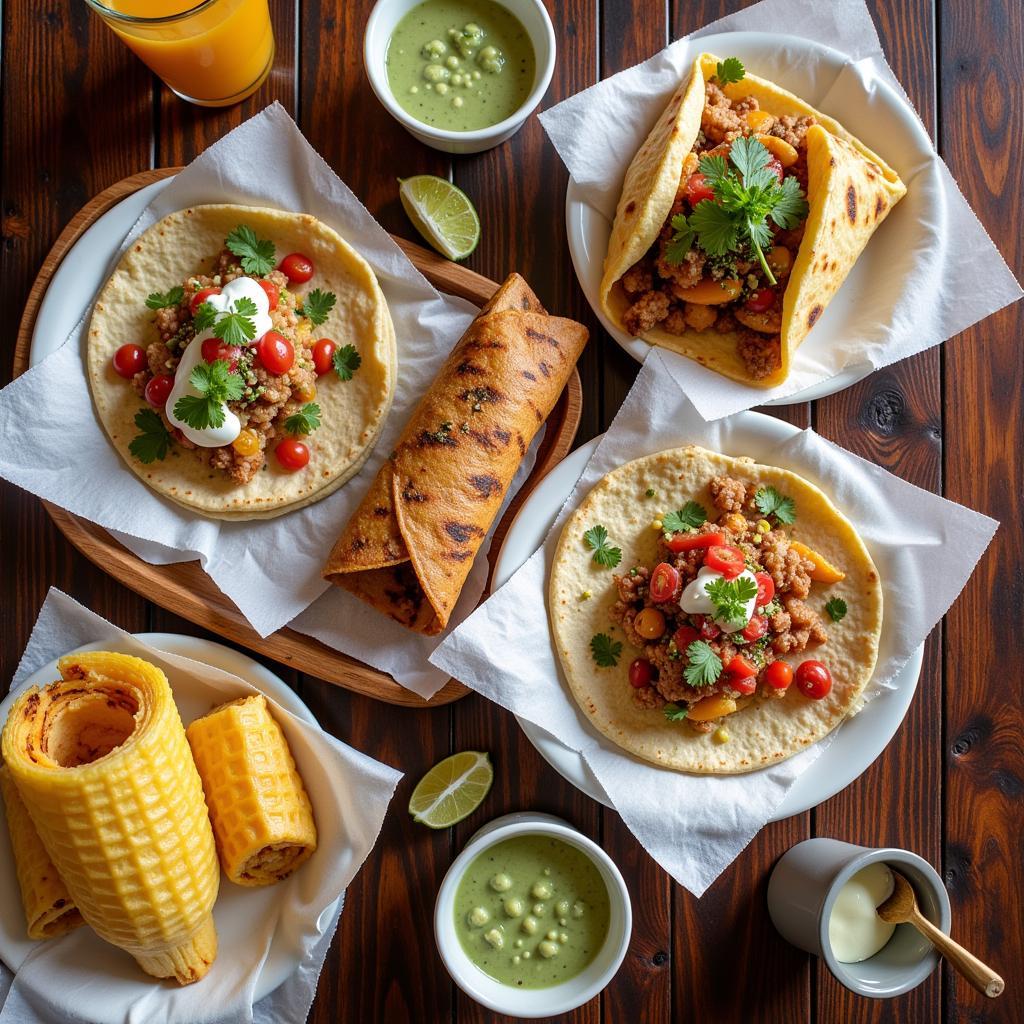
588 229
236 906
854 747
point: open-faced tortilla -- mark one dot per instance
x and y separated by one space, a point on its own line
850 190
765 730
352 412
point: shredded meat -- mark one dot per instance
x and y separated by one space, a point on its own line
650 309
699 317
789 571
761 353
719 121
648 697
792 129
684 274
728 494
638 279
675 322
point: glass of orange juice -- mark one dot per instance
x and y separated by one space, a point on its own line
213 53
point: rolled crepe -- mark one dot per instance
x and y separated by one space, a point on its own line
261 814
49 909
409 546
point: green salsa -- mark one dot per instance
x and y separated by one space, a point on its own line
460 65
532 911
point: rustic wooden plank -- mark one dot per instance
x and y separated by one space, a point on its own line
981 110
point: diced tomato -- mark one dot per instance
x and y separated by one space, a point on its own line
129 360
778 675
742 684
813 680
323 356
664 581
297 268
726 559
641 672
698 189
292 454
689 541
741 667
684 636
707 626
761 300
765 589
158 388
214 349
276 353
755 628
200 297
273 294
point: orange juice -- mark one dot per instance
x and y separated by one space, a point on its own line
213 53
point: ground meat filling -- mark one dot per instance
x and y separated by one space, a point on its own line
792 624
657 286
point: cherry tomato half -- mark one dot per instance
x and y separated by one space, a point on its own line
297 268
641 672
726 559
129 360
214 349
272 292
690 541
276 353
765 589
778 675
158 388
707 626
292 454
698 189
761 300
323 356
684 636
650 623
741 667
813 680
664 581
200 297
742 684
755 628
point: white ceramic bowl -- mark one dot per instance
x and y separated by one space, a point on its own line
537 1002
386 14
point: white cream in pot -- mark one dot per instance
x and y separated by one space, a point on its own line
855 930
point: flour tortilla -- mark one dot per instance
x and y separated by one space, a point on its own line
765 730
850 191
352 413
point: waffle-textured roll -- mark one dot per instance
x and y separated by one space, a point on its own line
101 760
262 817
49 909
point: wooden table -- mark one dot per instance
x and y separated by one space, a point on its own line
79 112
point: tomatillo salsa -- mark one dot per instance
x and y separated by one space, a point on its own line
532 911
460 65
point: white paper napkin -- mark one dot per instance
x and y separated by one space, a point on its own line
929 272
79 977
694 826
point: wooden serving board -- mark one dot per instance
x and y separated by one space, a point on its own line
184 588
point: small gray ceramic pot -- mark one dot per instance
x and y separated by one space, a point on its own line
803 889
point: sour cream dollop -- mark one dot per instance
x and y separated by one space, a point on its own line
855 931
217 437
694 599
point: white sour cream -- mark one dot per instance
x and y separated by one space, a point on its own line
694 599
855 931
217 437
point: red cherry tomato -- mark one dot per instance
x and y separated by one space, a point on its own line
214 349
297 268
813 680
641 672
272 292
726 559
323 356
755 628
276 353
129 360
200 297
158 388
761 300
741 667
664 581
684 636
292 454
707 626
778 675
689 541
698 189
742 684
765 589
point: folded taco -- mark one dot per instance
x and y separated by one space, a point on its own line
713 615
242 360
740 217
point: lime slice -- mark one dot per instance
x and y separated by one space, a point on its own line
442 214
452 790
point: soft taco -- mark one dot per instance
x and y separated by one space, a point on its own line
242 360
713 615
739 219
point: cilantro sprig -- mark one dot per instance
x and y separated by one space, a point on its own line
605 650
730 598
255 254
317 305
154 441
346 361
216 384
675 712
705 666
689 517
730 70
596 538
305 421
771 502
160 300
836 608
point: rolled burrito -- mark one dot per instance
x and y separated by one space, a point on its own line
409 546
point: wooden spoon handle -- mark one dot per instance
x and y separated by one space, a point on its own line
981 976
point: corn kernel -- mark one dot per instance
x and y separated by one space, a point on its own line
721 735
763 525
656 524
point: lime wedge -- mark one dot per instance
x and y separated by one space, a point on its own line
452 790
442 214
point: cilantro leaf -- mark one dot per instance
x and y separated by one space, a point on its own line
604 554
237 326
305 421
675 713
790 207
346 361
204 317
317 305
199 412
836 608
771 503
158 300
749 156
154 441
716 226
730 598
605 650
216 384
682 240
689 517
705 666
256 254
730 70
